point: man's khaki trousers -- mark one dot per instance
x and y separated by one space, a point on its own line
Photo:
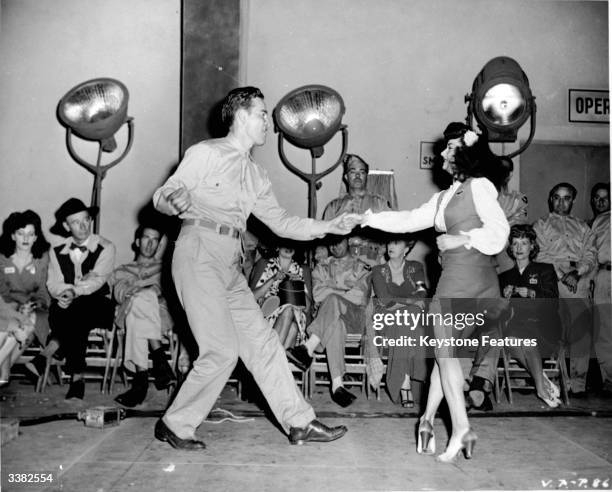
226 323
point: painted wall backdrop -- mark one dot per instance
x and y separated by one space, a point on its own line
402 67
48 47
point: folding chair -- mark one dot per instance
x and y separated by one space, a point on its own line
99 345
318 374
511 371
172 353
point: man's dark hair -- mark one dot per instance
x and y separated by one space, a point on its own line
600 186
237 99
570 187
348 158
148 225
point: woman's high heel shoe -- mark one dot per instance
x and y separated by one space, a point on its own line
406 398
426 440
468 441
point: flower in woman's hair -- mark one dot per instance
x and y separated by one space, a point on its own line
470 138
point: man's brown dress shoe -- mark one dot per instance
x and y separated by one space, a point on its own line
164 434
315 432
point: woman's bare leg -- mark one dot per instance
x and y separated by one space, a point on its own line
282 325
291 335
434 396
451 378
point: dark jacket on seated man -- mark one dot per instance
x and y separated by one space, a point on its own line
79 269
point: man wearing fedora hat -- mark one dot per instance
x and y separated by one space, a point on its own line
79 269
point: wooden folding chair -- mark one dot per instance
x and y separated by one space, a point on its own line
99 345
318 373
511 371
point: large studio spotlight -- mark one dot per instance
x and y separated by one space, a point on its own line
501 101
309 117
95 110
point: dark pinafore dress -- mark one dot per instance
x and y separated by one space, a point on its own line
468 282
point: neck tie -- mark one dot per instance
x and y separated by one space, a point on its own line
82 249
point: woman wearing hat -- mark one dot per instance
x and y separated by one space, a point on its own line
474 229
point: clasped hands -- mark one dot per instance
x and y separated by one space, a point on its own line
345 223
510 290
66 297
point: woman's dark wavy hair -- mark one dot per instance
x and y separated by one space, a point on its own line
18 220
478 161
520 231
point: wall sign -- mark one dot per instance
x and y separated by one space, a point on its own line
589 106
427 156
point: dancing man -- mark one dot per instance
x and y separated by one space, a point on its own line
214 190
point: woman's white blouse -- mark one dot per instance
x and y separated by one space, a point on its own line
489 239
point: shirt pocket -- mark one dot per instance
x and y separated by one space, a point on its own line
218 183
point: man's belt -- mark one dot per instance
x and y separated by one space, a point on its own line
605 266
222 229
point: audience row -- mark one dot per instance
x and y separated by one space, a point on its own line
56 296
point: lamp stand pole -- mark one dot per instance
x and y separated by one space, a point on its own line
99 171
313 178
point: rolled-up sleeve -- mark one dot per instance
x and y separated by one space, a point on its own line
492 236
404 220
122 281
280 221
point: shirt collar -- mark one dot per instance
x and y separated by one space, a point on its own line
234 142
91 243
559 216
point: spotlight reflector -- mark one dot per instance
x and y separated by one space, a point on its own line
501 99
95 110
309 116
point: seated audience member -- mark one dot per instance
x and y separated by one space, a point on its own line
600 200
79 269
341 288
514 204
24 260
250 244
366 244
15 332
399 285
523 284
321 254
143 312
288 317
602 308
566 242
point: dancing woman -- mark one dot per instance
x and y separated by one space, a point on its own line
473 228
